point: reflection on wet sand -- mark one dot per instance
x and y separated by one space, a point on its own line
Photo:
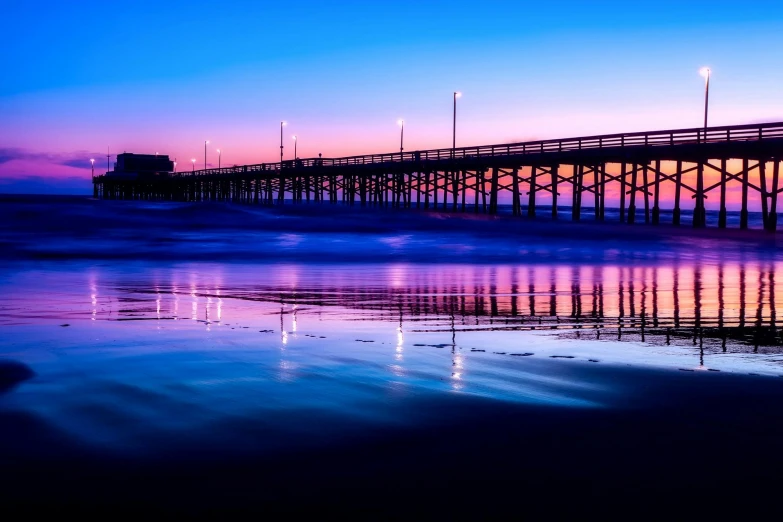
728 305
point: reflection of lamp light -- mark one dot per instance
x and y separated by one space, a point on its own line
705 72
220 307
176 302
293 320
93 299
194 313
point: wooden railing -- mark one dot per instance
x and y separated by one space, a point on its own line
733 133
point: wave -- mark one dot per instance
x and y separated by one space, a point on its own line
35 227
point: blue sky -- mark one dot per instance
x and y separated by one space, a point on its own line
162 77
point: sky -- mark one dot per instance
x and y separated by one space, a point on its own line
164 77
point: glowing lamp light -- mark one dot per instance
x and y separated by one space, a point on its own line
400 122
92 160
705 72
457 94
193 160
293 137
218 151
283 123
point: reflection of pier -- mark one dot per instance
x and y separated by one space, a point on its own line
732 304
639 172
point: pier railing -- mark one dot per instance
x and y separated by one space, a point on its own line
693 136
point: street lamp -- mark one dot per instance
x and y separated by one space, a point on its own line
175 165
457 94
706 73
206 142
92 167
218 151
295 140
401 123
194 164
282 124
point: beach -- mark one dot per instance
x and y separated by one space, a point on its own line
216 357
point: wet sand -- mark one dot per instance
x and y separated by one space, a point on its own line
533 373
696 443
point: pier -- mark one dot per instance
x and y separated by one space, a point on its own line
638 172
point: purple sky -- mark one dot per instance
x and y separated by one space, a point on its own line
343 74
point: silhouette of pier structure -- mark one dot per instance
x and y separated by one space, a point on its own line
639 170
722 307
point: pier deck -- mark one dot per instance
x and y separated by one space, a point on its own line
634 170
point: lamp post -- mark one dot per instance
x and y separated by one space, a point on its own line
706 73
401 123
457 94
92 167
219 153
175 164
295 141
282 124
194 164
206 142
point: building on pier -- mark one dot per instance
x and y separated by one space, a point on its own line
135 166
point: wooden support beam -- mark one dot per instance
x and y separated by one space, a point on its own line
418 188
493 197
772 222
722 212
555 175
677 193
596 194
435 189
623 178
763 185
699 212
454 189
464 188
656 213
575 192
531 194
427 175
632 204
646 193
602 212
484 191
476 189
744 209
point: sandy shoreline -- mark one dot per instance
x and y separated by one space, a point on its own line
677 437
355 379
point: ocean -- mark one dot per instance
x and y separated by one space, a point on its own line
199 357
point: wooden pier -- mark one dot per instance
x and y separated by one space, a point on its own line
641 171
